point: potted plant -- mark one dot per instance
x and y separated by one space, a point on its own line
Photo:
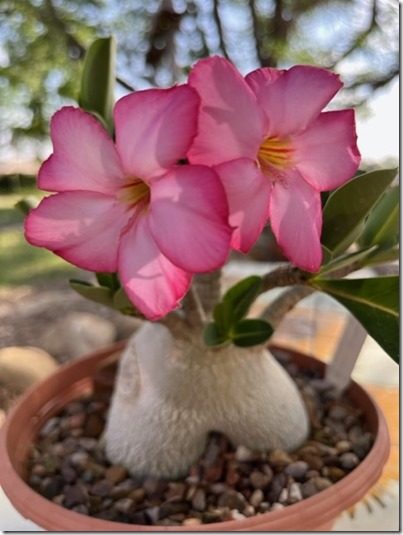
152 201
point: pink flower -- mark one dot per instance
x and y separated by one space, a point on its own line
128 206
274 150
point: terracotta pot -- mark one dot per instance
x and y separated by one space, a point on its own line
75 379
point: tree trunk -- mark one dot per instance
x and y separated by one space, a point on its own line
170 393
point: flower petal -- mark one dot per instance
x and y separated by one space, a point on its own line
80 226
84 156
296 98
230 122
154 128
326 153
296 221
151 281
189 218
248 194
260 78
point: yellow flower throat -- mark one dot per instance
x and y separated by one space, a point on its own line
275 152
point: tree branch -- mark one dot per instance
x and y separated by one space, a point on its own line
256 32
220 31
360 38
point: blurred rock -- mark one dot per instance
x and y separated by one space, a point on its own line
76 334
20 367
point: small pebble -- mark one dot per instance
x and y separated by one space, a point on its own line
297 470
115 474
256 498
244 455
276 507
124 505
343 446
199 500
191 522
348 461
294 493
259 480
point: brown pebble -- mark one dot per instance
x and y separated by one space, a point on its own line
172 508
101 488
279 458
77 420
259 480
249 510
154 487
218 488
124 505
75 495
256 498
322 483
276 507
68 473
283 497
333 473
51 486
343 446
94 426
199 500
176 491
137 495
308 489
313 461
232 500
38 470
115 474
264 507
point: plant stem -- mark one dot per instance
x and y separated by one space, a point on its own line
283 276
275 312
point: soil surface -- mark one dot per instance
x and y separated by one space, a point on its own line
68 466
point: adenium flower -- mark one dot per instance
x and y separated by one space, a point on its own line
128 206
274 150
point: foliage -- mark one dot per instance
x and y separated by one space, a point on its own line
158 41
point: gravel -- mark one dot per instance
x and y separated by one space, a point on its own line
68 466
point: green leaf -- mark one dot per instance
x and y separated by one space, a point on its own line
348 206
99 294
109 280
382 226
213 336
383 256
346 260
122 303
374 302
241 296
236 302
98 79
251 332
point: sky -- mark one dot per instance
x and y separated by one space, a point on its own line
378 132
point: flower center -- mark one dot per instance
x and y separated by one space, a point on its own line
134 192
275 152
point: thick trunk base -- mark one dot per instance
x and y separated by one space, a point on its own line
171 393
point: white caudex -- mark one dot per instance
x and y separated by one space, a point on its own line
171 392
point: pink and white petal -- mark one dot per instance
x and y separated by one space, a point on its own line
154 128
260 78
296 98
84 157
80 226
248 193
153 284
296 221
326 153
231 125
189 218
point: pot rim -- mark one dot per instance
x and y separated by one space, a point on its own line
322 507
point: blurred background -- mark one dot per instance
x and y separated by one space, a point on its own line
42 46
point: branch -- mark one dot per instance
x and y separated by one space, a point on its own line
275 312
360 38
256 33
217 20
51 17
193 308
283 276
